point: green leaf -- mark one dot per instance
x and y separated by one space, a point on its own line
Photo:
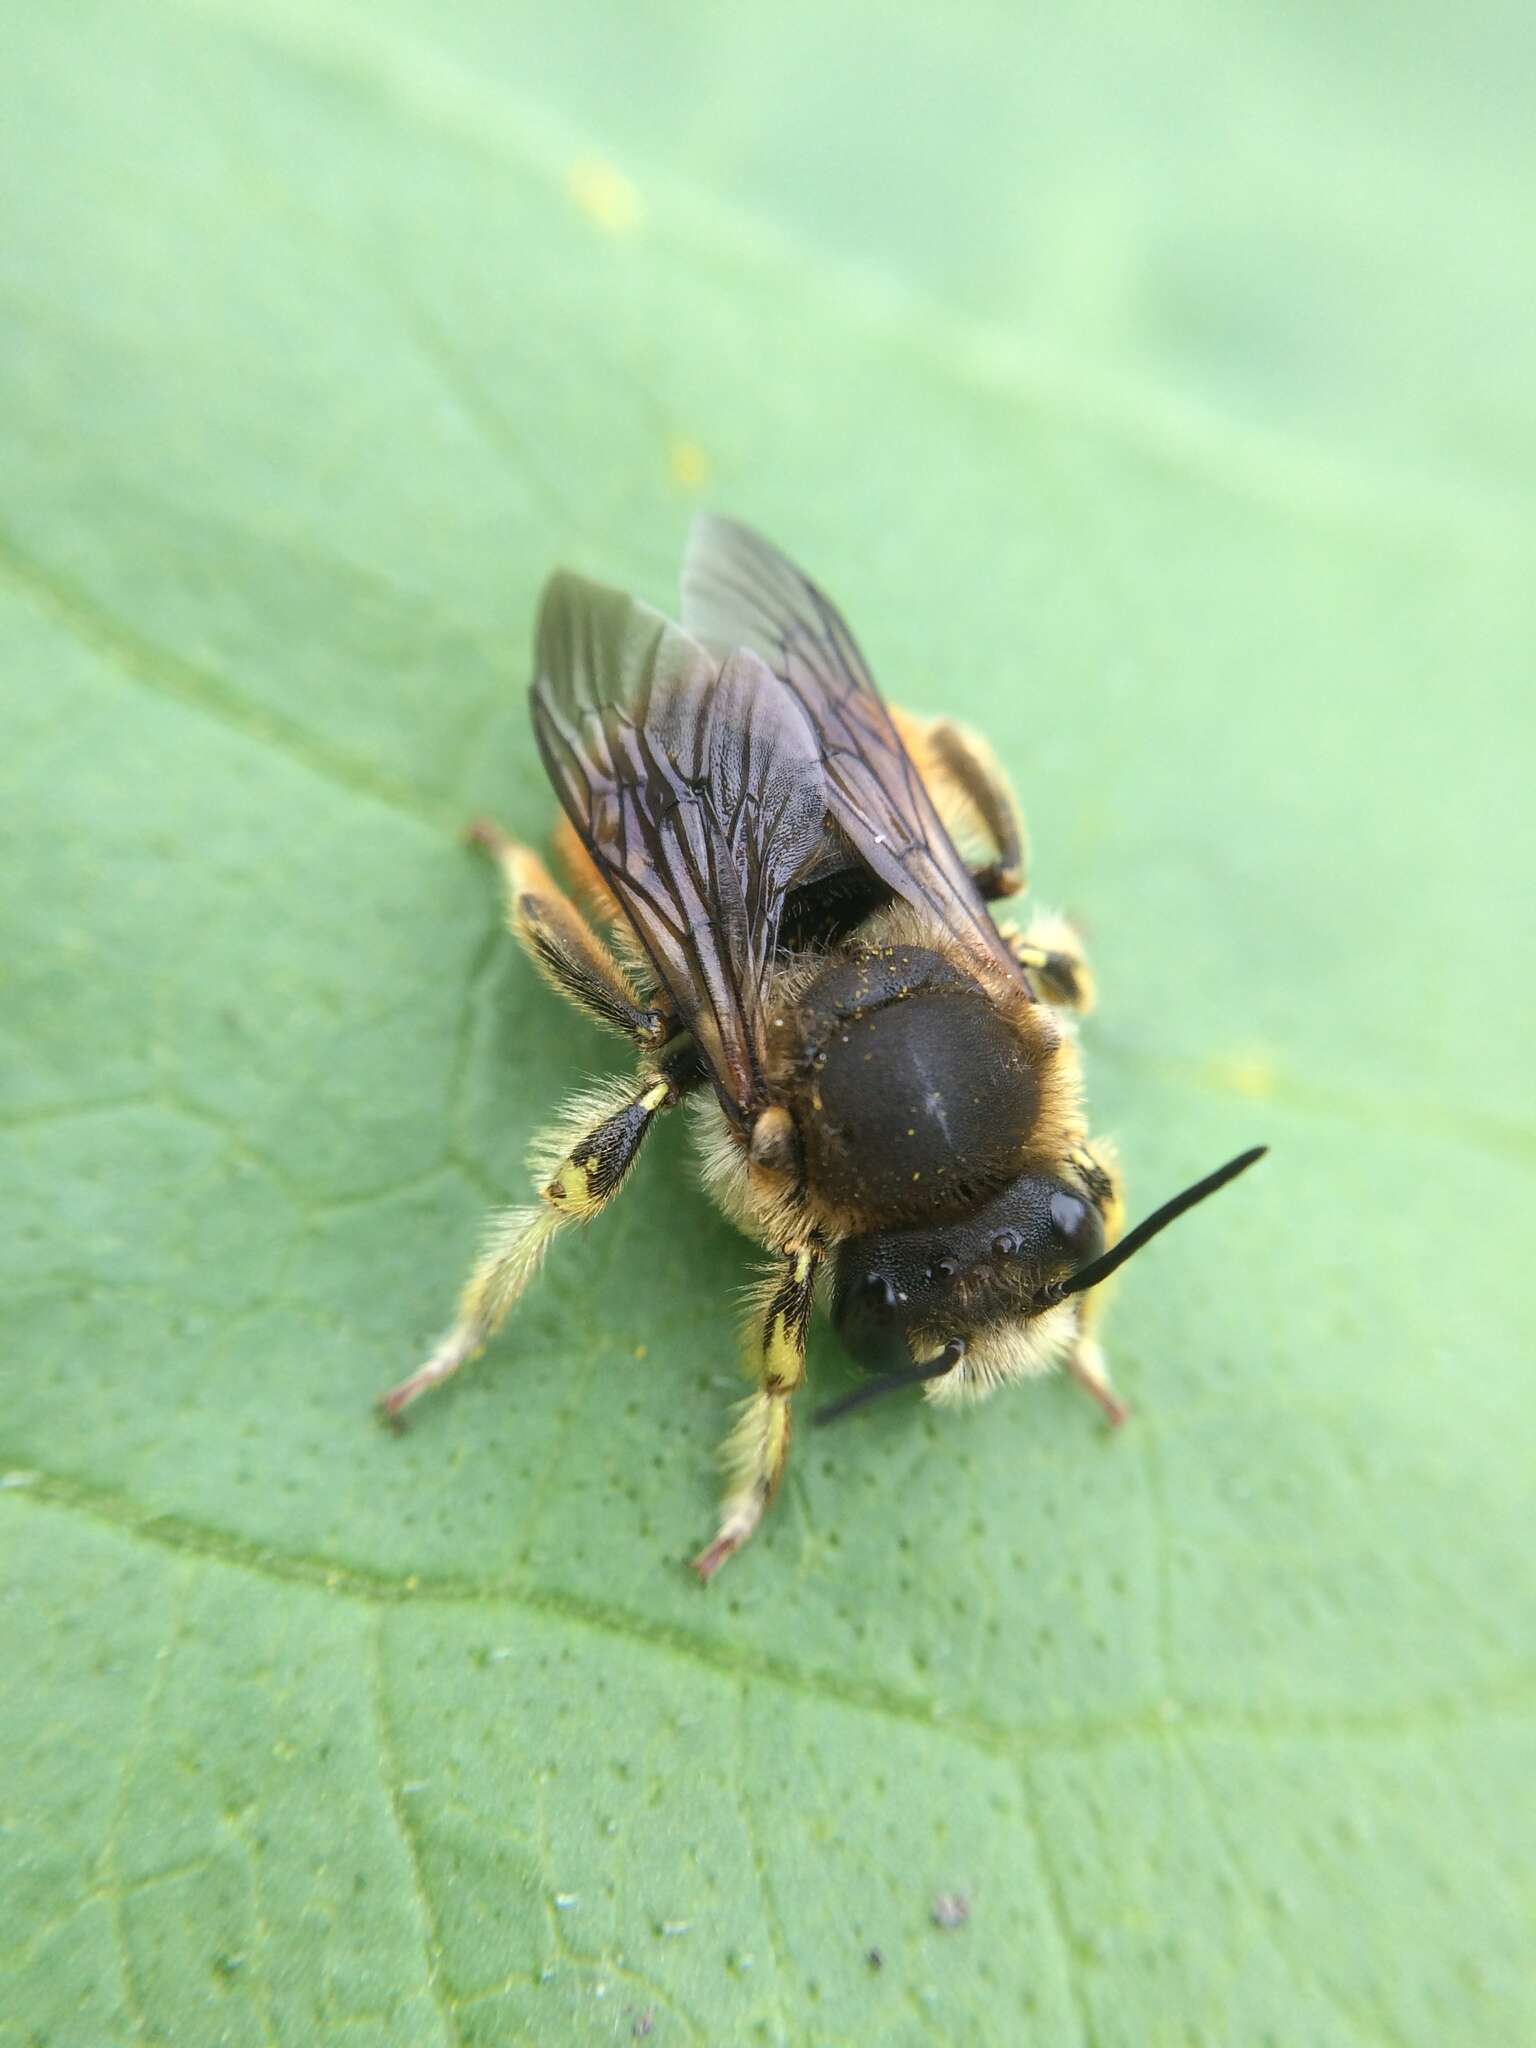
1159 401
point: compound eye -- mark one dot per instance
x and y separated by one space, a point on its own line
1074 1224
868 1313
944 1268
877 1293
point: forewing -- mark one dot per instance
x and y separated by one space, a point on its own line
697 789
738 591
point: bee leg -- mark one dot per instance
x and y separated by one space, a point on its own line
1085 1364
1052 950
968 765
756 1449
582 1178
1097 1167
563 946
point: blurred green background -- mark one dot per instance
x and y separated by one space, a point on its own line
1153 388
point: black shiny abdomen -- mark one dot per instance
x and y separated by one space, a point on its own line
917 1097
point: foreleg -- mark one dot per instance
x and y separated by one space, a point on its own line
757 1448
1096 1166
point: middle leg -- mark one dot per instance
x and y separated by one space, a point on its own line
582 1163
1052 950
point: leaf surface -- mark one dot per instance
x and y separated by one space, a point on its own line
1158 404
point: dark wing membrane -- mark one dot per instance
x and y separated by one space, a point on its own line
740 592
697 789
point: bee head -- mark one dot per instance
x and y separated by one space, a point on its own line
928 1289
898 1291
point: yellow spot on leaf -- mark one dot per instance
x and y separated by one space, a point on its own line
689 464
1251 1073
605 196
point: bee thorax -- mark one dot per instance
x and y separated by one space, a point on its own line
914 1093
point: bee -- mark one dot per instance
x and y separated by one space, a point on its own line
885 1082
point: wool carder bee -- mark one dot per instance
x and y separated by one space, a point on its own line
886 1082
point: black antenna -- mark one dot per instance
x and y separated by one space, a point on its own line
893 1382
1101 1268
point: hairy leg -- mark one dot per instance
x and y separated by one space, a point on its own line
967 762
582 1163
757 1448
1085 1363
564 947
1052 951
1097 1167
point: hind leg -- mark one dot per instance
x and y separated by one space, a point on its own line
564 947
967 783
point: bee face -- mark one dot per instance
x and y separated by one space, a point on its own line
897 1290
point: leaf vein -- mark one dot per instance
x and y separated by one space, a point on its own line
1381 2036
183 1539
166 674
391 1778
